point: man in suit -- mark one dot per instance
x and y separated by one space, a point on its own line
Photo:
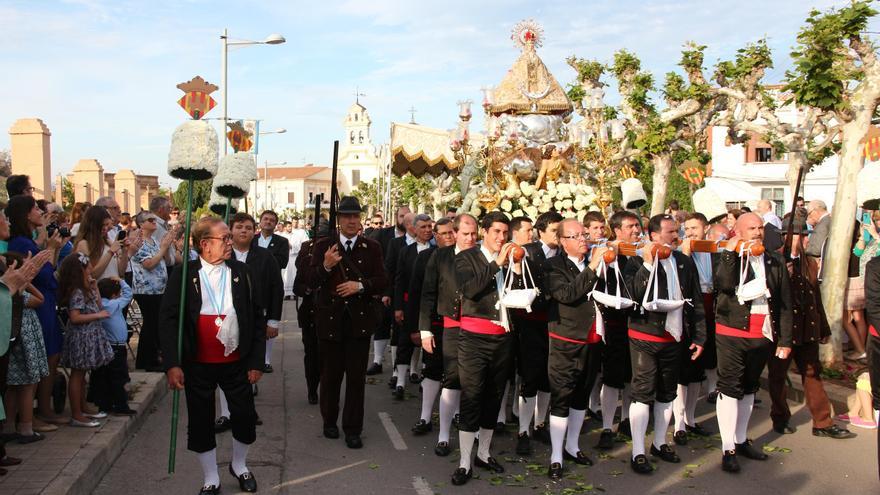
655 334
616 363
223 345
271 240
485 347
305 313
575 345
406 260
268 290
441 298
346 273
392 254
746 324
531 332
383 336
819 218
433 370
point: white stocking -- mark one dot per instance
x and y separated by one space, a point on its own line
639 413
743 413
465 447
726 409
429 393
526 411
208 460
575 422
662 416
543 404
484 443
448 403
609 405
678 407
558 425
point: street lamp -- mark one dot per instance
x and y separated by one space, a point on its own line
272 39
266 182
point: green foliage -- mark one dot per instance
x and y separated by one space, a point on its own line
610 113
657 137
368 193
643 84
67 196
753 56
822 70
576 92
625 62
201 194
692 56
675 88
410 190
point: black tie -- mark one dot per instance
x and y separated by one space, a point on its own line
348 246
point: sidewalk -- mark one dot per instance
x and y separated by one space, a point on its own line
73 460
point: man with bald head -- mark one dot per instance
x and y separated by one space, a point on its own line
818 218
765 209
750 315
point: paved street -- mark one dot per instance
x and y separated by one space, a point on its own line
291 456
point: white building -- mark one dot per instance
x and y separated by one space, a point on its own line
358 159
743 174
290 187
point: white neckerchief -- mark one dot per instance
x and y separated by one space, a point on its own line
704 270
549 252
675 318
211 277
499 284
761 305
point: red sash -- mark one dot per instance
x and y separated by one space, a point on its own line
208 348
481 325
450 322
592 337
755 330
873 331
665 338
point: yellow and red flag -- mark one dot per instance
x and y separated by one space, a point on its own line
197 101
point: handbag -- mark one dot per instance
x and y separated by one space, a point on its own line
519 298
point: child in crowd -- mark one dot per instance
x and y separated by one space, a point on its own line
861 413
107 383
86 346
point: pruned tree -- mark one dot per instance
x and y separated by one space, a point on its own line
836 71
5 163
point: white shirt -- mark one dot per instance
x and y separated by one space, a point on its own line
549 252
421 247
242 256
772 219
343 240
263 242
410 239
297 238
499 283
210 276
580 264
704 270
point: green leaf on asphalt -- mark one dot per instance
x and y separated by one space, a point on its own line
615 473
374 466
693 466
496 480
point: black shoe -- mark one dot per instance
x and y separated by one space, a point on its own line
748 451
680 438
353 441
666 453
555 471
500 428
222 424
712 397
784 428
624 429
523 444
729 462
414 378
758 401
640 464
331 432
833 431
597 415
542 433
606 440
442 449
268 368
246 481
255 389
422 427
210 490
399 393
460 476
374 369
491 464
259 421
580 458
313 397
392 382
697 430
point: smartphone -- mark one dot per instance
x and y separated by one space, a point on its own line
121 235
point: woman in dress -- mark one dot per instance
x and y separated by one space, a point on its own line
107 259
25 217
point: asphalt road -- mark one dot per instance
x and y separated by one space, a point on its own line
291 455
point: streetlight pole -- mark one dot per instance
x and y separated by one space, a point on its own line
272 39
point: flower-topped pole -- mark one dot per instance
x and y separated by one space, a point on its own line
193 156
235 174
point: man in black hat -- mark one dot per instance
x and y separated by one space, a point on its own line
347 275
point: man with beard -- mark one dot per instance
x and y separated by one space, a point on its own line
616 366
441 297
575 346
750 314
433 371
655 334
484 344
421 226
532 343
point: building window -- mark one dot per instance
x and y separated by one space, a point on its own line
352 137
777 195
355 178
361 137
290 198
763 154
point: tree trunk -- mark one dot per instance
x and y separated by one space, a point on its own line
796 160
662 167
837 250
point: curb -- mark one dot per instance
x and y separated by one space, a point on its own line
837 394
83 473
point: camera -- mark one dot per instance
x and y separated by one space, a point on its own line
52 227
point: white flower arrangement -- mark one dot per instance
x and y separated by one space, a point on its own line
517 213
570 200
506 205
236 172
217 204
194 151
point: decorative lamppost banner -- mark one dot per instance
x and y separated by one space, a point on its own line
197 101
239 137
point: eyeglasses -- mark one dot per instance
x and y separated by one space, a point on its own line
582 237
225 238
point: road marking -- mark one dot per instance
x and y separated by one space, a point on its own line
422 487
317 475
393 434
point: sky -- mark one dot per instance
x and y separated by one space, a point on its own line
102 75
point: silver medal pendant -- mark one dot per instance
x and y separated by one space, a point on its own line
218 322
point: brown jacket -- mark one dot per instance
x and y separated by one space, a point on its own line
809 323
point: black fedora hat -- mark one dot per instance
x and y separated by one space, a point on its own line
349 204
